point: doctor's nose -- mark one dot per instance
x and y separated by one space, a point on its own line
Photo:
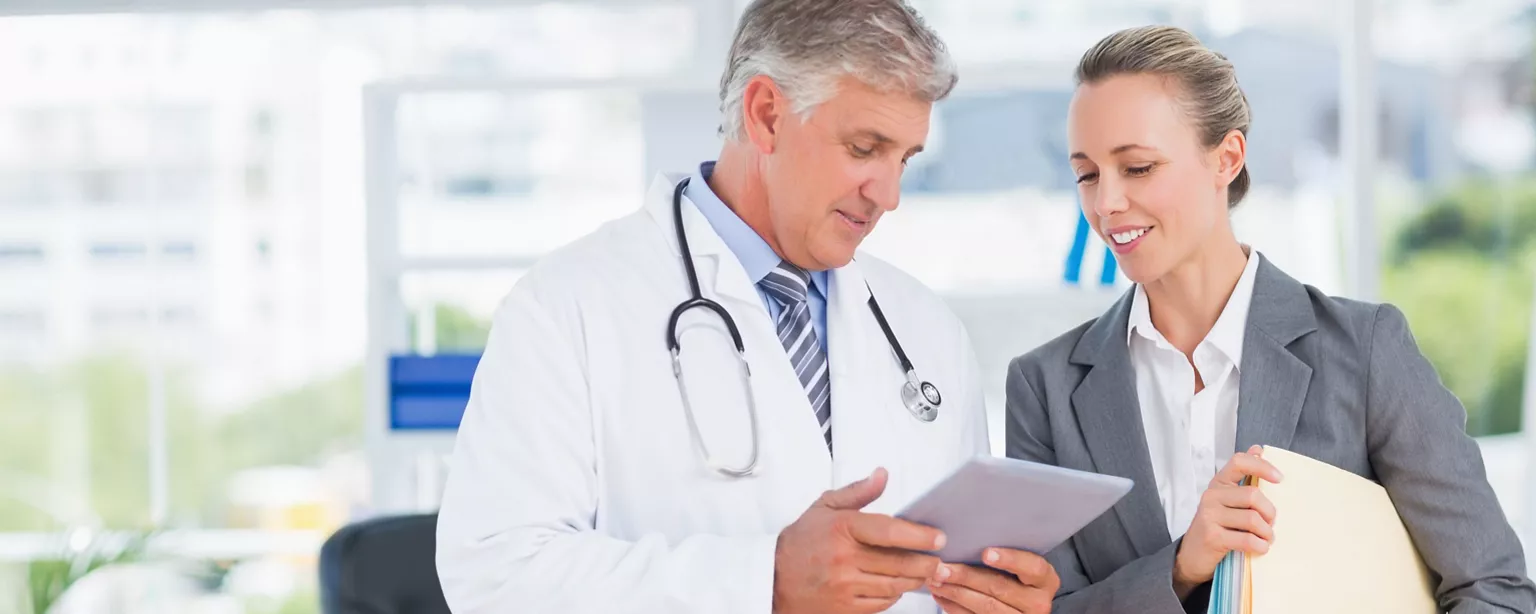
884 188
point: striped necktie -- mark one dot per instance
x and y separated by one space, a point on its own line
789 284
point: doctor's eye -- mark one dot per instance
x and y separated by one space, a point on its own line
860 152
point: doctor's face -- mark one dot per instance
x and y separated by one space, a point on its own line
831 177
1147 185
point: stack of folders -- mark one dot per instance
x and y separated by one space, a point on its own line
1339 547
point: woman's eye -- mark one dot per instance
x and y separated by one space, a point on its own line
1138 171
1087 178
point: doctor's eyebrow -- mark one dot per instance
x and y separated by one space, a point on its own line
882 141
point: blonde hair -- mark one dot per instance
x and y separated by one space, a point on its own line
1209 93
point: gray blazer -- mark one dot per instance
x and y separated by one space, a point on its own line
1336 380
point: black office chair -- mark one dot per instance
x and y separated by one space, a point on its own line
382 566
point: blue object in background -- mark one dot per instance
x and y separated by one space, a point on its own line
1079 251
1111 266
429 392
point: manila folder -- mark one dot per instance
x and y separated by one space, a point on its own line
1339 546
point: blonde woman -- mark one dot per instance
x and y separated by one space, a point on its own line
1217 350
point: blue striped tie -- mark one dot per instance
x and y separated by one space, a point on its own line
788 284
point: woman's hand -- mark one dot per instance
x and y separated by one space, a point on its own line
1231 517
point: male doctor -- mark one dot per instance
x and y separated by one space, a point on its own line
583 479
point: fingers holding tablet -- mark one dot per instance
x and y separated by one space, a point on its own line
1016 582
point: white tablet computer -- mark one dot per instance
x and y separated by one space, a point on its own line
1009 503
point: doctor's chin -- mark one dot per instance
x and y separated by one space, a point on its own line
767 307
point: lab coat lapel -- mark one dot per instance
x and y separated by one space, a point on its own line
721 275
780 397
858 430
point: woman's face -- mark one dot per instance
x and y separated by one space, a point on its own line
1147 184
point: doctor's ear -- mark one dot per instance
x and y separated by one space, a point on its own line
764 107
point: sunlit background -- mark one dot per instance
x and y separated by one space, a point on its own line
219 218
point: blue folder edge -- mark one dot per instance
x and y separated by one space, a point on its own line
1227 585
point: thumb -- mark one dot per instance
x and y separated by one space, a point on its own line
858 494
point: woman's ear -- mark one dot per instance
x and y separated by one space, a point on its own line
1231 155
764 107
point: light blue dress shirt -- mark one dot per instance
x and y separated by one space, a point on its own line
754 253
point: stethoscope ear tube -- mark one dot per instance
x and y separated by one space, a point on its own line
682 239
890 337
697 297
921 398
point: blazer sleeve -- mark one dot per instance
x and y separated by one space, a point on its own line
1144 585
1420 450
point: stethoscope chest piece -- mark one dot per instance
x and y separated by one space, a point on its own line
921 398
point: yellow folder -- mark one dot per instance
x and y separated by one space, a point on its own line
1339 547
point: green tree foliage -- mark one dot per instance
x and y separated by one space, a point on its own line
1462 271
1471 316
456 329
25 400
106 399
296 427
1489 218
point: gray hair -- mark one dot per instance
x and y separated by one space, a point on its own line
1209 93
806 46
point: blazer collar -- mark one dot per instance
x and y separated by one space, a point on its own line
1272 389
1281 310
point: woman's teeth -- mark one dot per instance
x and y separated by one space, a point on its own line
1122 238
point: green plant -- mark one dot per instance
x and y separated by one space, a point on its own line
1496 219
304 601
1471 317
49 578
1461 268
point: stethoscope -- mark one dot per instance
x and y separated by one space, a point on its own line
921 398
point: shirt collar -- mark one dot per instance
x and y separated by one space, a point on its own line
754 253
1231 326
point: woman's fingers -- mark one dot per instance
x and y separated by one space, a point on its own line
1245 464
1242 498
1242 541
1247 521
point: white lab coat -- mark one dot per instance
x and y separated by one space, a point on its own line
574 486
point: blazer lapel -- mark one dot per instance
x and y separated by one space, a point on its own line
1273 383
1109 415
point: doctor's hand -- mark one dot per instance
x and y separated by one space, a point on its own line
1231 517
836 559
1014 582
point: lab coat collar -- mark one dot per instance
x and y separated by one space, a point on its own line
721 274
702 239
718 267
849 322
